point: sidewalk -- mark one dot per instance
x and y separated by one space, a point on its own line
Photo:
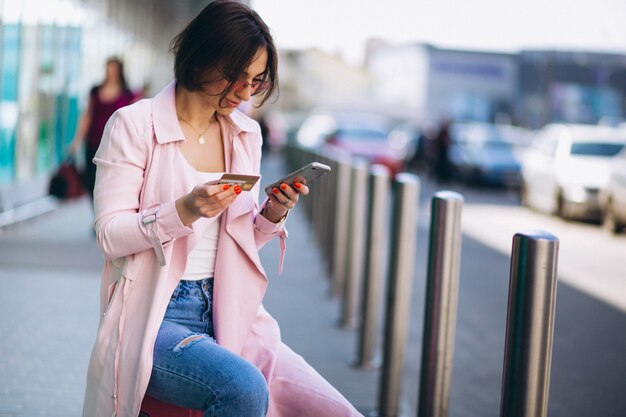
50 277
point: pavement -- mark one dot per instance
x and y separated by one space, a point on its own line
50 276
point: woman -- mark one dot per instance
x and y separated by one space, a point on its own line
182 289
104 100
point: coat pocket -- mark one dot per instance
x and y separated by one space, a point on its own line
111 293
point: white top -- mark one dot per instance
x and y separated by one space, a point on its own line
201 259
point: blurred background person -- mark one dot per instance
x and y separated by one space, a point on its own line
104 100
272 126
443 168
421 159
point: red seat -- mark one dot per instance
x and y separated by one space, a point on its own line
151 407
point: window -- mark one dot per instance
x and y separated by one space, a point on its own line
596 149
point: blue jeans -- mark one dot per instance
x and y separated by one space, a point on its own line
191 370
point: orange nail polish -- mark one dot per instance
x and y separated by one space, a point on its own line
237 189
226 187
283 186
297 184
275 190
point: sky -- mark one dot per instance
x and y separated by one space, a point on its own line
343 26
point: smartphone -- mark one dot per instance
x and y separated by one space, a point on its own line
306 174
246 182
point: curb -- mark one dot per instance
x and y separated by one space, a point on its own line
28 211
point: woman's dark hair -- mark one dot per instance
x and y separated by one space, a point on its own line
226 36
120 66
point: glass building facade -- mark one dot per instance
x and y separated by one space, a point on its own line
51 53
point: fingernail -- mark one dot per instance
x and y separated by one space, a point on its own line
237 189
275 190
226 187
283 186
297 184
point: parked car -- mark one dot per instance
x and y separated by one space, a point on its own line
485 154
566 168
357 133
613 196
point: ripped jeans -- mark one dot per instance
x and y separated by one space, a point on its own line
192 371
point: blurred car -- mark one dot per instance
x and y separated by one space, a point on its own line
485 154
566 168
405 137
357 133
613 196
315 128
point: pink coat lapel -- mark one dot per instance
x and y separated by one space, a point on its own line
240 278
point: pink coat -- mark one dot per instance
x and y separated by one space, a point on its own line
146 246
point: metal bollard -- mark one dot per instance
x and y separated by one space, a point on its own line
442 287
403 239
318 215
331 191
342 216
353 284
321 213
530 325
376 242
308 157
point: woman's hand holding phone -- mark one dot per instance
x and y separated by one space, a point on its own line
284 194
283 198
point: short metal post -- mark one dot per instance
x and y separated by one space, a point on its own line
321 210
331 191
317 216
442 286
356 246
402 254
308 157
342 216
530 325
291 154
376 242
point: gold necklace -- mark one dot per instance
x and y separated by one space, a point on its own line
200 139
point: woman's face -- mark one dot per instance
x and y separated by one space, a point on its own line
113 70
242 90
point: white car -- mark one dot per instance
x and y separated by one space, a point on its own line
567 166
613 197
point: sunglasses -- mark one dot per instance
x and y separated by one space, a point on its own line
259 85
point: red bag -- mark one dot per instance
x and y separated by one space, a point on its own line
67 182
